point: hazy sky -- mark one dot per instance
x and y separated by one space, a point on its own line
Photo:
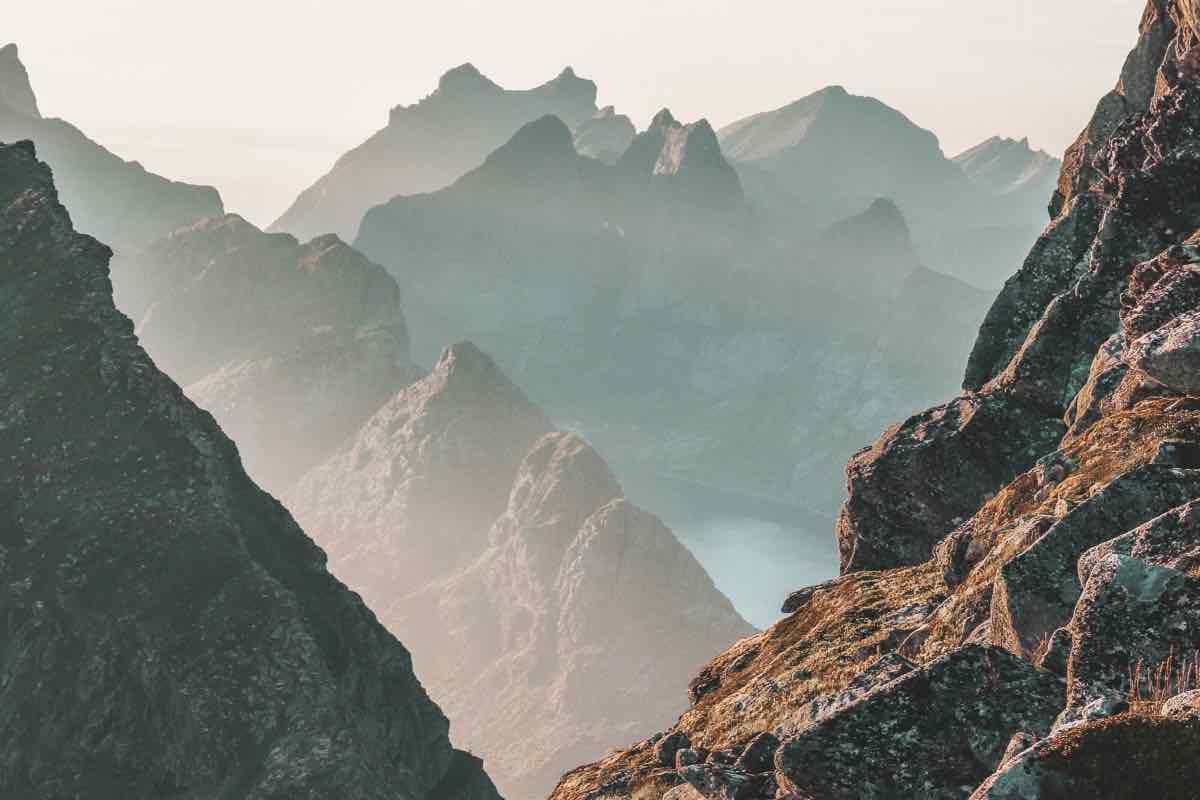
258 97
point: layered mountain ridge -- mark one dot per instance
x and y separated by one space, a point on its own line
291 346
170 629
542 615
1017 563
429 145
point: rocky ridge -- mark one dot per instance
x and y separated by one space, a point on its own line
1019 563
170 629
561 610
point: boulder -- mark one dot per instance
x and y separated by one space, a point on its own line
1035 592
934 733
928 474
1135 623
1170 354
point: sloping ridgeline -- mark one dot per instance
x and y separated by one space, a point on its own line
169 631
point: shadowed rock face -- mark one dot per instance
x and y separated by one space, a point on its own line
987 541
290 346
170 629
537 597
429 145
115 200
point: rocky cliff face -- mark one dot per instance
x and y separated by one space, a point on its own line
1020 562
290 346
537 597
429 145
115 200
170 630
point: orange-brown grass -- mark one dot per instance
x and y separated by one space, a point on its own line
814 652
1113 446
1152 685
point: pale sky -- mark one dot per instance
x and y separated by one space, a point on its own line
258 97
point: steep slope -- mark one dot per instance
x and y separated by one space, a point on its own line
292 347
115 200
429 145
560 611
170 629
1020 563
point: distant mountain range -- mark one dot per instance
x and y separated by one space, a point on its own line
430 144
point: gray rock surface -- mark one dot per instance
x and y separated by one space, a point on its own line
927 735
171 630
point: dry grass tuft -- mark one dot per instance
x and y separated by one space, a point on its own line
1151 686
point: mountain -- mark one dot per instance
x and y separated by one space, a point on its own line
429 145
537 598
115 200
704 358
1007 166
828 154
170 629
605 136
291 346
1019 562
836 151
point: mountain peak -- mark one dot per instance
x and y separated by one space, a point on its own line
16 92
544 141
465 79
662 120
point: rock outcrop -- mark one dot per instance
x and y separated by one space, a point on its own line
429 145
1037 529
170 630
291 346
537 598
115 200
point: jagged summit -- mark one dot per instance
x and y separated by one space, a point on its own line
431 144
1004 166
16 92
465 78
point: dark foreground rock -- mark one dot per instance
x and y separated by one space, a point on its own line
170 630
934 733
